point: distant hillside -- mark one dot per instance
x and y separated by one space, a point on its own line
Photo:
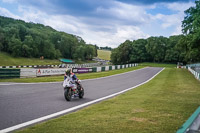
104 54
21 39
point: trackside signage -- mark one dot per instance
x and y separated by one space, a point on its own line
47 72
82 70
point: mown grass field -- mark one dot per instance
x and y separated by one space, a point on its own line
157 65
104 54
8 60
159 106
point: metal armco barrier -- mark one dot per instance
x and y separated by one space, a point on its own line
192 125
9 73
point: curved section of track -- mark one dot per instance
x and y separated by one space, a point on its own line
20 103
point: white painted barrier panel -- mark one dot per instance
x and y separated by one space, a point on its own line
98 69
118 67
122 66
46 72
106 68
113 67
27 72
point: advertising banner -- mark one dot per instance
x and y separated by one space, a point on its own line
47 72
82 70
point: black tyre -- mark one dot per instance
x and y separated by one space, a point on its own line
81 93
68 94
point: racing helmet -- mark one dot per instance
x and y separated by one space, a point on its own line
68 71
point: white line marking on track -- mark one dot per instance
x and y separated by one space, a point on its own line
71 109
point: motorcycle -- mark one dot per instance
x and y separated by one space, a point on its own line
72 89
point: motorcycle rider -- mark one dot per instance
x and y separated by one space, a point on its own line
69 73
73 78
72 86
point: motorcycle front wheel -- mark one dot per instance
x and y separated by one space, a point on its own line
68 94
81 93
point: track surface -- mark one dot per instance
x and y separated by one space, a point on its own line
20 103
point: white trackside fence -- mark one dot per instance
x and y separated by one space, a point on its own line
31 72
194 69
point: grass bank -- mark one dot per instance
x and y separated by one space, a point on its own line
8 60
104 54
160 106
80 76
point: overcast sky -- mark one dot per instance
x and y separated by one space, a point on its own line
103 22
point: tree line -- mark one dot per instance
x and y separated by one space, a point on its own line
180 48
22 39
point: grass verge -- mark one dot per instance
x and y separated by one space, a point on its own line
157 64
8 60
160 106
80 76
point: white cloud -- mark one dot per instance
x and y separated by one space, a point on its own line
114 39
9 1
173 20
6 13
125 12
169 20
181 7
110 33
177 31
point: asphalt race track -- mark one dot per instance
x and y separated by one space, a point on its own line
20 103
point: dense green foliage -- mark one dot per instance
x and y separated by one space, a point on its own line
190 44
22 39
153 49
181 48
105 48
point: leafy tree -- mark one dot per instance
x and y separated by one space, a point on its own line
191 28
115 57
122 54
35 40
89 52
191 22
156 47
139 53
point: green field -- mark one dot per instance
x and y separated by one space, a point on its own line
8 60
159 106
104 54
157 65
